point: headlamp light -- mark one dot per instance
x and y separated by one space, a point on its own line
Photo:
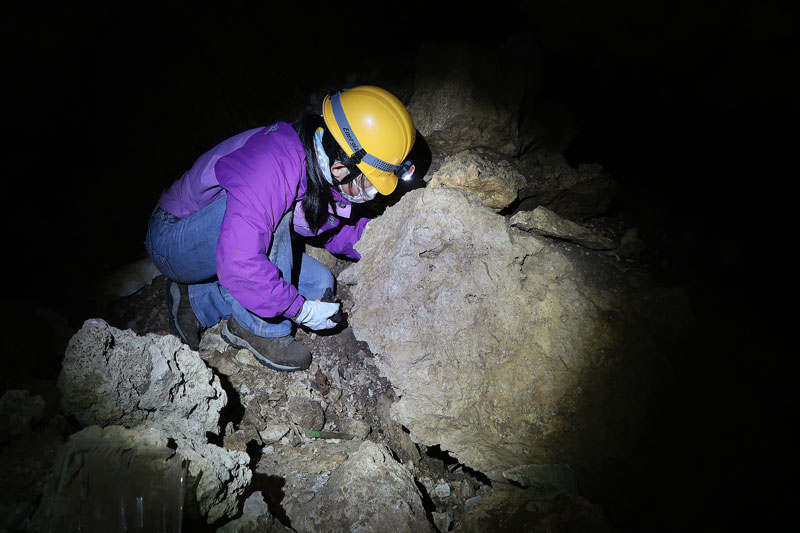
406 171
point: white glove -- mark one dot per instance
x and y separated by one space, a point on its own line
316 315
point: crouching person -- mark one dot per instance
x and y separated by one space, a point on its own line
228 234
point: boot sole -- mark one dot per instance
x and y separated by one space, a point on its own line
239 342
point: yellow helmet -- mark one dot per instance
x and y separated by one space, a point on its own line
373 127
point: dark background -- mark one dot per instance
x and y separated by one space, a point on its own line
689 105
686 105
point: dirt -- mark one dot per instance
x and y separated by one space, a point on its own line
355 397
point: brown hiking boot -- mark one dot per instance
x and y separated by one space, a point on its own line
182 320
278 353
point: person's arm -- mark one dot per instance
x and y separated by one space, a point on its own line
342 241
261 183
242 263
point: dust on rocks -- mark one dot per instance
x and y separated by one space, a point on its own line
268 413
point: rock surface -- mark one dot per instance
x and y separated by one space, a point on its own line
216 477
256 518
463 99
112 377
113 475
544 222
26 461
577 193
346 486
115 377
495 181
504 348
19 410
171 474
544 511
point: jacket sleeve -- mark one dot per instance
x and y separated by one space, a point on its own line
343 240
260 189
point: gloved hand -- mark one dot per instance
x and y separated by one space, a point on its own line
328 297
317 315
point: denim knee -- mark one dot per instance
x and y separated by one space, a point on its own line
315 278
326 280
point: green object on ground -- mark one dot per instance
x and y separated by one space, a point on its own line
314 434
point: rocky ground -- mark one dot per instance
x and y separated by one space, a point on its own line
266 415
341 391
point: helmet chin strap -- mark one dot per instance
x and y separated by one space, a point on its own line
345 180
364 195
351 175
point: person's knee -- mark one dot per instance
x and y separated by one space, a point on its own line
314 279
326 281
322 281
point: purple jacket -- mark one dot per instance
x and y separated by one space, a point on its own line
263 173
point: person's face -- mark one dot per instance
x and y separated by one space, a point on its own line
351 189
340 171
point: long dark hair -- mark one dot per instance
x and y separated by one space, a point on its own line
318 191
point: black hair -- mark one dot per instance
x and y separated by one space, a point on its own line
318 191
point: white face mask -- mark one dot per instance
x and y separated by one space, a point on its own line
364 195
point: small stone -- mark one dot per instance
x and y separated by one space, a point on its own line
442 490
334 394
306 413
442 521
273 432
321 382
358 428
472 501
465 490
245 357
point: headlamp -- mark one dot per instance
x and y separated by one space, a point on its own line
405 171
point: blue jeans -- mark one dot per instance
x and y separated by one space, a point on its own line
184 250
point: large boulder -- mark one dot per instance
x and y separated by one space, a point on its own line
505 348
470 95
216 477
154 387
115 377
544 222
140 477
574 192
495 181
345 486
